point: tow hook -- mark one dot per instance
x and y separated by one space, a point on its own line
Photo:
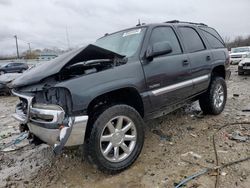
65 131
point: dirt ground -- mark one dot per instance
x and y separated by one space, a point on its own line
176 146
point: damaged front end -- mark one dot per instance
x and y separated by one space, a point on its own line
47 108
50 122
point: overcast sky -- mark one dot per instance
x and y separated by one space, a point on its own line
43 23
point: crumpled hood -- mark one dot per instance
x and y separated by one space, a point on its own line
6 78
50 68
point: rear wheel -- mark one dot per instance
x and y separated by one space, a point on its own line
116 139
214 100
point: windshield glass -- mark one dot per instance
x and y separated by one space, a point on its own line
124 42
237 50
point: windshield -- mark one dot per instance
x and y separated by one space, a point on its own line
124 42
237 50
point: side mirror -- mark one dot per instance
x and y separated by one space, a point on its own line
159 48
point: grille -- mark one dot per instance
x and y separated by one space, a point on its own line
236 56
23 106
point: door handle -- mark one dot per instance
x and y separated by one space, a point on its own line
208 58
185 62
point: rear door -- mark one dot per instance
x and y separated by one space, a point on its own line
167 76
199 55
10 68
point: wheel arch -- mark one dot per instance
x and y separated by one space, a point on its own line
219 70
127 95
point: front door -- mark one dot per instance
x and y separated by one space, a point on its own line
168 76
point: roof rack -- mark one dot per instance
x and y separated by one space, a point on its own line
177 21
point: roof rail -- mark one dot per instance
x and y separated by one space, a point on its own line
177 21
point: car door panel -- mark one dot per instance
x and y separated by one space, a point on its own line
200 57
168 76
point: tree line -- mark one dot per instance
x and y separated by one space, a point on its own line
237 42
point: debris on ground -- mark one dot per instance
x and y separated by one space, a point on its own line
162 135
195 155
238 136
246 110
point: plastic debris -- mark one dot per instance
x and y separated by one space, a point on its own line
237 135
191 153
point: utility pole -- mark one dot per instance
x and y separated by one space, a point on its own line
67 36
17 52
29 47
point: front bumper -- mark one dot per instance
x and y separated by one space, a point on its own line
235 61
52 136
50 123
244 69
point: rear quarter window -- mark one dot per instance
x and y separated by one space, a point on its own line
214 39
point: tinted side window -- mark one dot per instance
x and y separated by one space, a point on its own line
213 37
191 39
166 34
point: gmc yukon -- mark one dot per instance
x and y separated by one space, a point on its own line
100 95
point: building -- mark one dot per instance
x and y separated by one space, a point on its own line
46 56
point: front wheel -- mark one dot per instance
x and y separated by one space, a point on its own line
214 100
116 139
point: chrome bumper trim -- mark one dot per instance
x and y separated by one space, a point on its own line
54 136
58 115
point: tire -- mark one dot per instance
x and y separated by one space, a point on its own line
2 72
106 128
214 100
240 73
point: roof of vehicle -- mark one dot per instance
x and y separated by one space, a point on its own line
172 22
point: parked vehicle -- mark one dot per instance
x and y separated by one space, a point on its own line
238 54
244 66
5 81
101 94
13 67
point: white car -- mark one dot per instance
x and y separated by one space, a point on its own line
244 65
238 54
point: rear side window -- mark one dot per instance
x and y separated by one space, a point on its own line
213 37
191 39
166 34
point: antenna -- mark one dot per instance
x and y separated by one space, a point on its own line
139 22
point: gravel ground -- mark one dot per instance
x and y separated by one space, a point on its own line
176 146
